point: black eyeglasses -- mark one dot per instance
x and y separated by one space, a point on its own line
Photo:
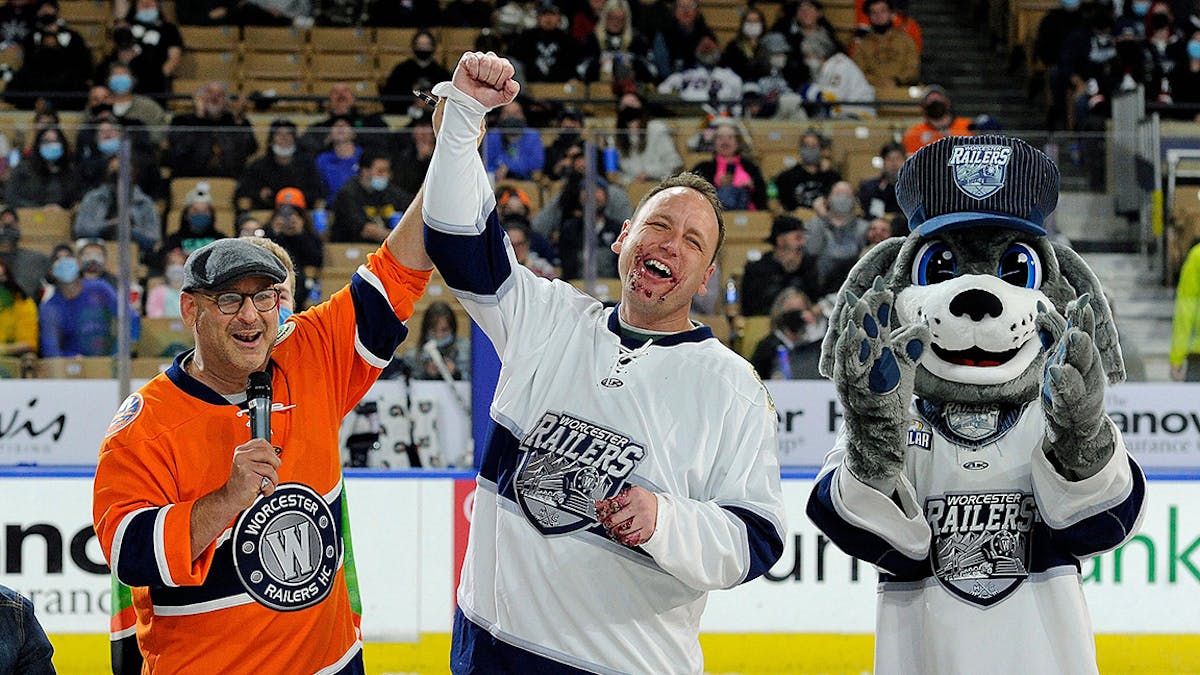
231 303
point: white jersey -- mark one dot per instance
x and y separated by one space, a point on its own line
580 412
841 79
984 540
701 84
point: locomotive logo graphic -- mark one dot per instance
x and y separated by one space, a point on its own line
980 170
567 464
980 550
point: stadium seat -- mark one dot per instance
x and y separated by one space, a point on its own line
211 38
42 228
281 87
337 66
288 39
76 367
453 42
342 258
209 66
219 188
754 329
395 41
273 65
145 368
747 226
328 40
604 290
735 255
638 188
164 337
86 11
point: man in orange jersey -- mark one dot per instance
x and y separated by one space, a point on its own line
233 548
940 121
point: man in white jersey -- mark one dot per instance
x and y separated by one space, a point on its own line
632 461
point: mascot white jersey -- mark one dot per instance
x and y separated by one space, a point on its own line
976 466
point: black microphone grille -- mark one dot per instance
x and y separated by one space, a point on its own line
258 385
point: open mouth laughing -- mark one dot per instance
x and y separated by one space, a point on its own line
974 357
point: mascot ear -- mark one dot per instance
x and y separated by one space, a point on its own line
1083 280
878 262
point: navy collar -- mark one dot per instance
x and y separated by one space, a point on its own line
697 334
195 388
1007 415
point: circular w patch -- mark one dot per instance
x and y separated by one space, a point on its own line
286 550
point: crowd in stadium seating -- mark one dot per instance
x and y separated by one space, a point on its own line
336 178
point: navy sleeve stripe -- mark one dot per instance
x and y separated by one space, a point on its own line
477 265
1107 529
766 546
858 542
136 561
379 330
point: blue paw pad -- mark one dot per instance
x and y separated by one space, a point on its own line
1046 338
885 373
864 351
870 326
914 349
885 310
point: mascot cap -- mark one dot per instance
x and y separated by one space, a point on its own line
963 181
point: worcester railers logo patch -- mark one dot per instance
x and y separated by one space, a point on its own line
286 550
980 170
980 549
567 464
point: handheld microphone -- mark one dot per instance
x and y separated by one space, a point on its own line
258 401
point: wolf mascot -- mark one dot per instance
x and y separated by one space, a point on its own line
976 466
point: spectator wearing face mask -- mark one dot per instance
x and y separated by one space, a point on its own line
97 218
792 350
887 55
282 165
368 206
739 181
100 142
93 262
811 178
26 265
741 54
939 122
80 319
197 223
404 77
128 106
47 177
617 51
645 147
511 149
706 81
836 78
1185 79
292 228
786 266
835 238
677 37
159 48
163 300
56 59
439 325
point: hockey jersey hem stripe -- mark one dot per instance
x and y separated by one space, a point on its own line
340 665
478 623
203 607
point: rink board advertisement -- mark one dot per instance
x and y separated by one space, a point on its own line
409 538
60 423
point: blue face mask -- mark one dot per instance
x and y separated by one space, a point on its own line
200 222
109 146
379 183
284 313
1070 4
51 152
1141 8
147 15
65 270
1193 50
120 84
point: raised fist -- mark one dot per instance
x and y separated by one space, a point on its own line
487 78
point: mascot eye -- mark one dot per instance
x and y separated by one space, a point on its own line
1020 266
934 264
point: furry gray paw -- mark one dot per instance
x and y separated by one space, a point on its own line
1073 389
874 370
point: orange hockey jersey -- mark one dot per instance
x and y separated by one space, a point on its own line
270 595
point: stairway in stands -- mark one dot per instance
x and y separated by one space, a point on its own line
959 56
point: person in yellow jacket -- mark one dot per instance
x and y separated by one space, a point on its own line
18 316
1185 336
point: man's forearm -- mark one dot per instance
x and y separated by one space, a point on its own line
406 242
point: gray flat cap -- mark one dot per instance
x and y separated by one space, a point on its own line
224 261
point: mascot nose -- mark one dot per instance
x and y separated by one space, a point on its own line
976 304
